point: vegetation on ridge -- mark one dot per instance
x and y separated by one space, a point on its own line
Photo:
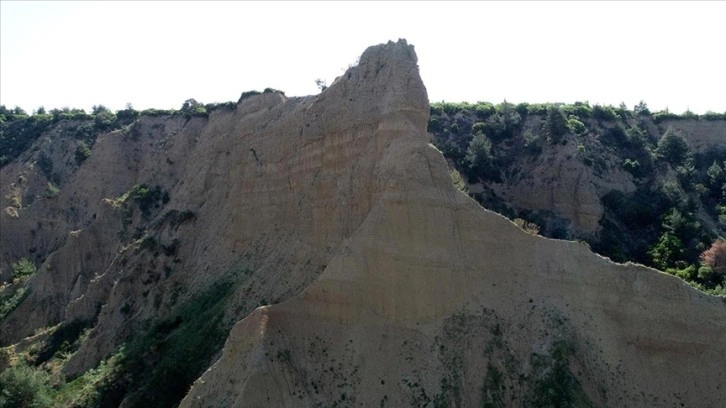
677 212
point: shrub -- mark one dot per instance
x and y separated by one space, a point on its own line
632 166
604 112
636 137
579 109
24 386
146 197
616 136
575 126
192 108
22 268
82 153
458 181
247 94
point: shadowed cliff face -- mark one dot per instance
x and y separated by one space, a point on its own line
328 228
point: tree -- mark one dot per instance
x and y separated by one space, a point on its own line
478 156
713 264
673 148
555 123
641 108
193 108
715 256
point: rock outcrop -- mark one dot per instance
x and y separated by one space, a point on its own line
435 301
358 275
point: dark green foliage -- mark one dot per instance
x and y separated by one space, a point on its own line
63 340
633 167
672 147
273 90
158 112
483 110
661 224
434 125
667 251
104 119
210 107
248 94
636 137
493 389
504 123
22 269
158 366
557 386
581 110
128 115
478 159
146 198
641 109
575 126
82 153
18 132
606 113
555 124
192 108
615 136
24 386
714 116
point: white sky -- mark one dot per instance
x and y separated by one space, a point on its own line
79 54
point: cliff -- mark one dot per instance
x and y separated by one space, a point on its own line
323 238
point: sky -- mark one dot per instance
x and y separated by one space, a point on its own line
159 54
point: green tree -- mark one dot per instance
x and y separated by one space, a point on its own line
193 108
641 108
666 251
555 124
672 147
478 156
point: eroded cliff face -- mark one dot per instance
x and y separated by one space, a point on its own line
436 302
329 229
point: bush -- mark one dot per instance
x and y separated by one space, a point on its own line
632 166
22 268
579 109
575 126
192 108
103 118
247 94
24 386
483 110
82 153
604 112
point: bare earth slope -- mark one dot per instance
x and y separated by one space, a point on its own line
434 301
